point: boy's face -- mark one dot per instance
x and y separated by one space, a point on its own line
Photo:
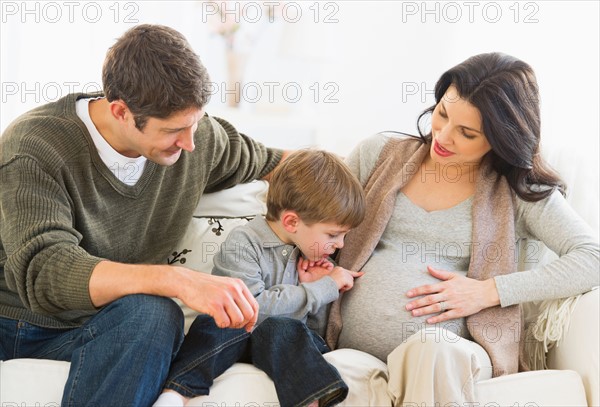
319 240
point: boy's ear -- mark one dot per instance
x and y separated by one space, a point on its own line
289 220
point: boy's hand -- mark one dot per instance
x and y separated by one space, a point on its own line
306 264
344 278
309 271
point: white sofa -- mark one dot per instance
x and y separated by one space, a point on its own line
572 379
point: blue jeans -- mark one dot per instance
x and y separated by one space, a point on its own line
119 357
284 348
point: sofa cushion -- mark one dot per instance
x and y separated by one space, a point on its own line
365 375
244 385
538 388
237 202
213 220
32 382
240 385
41 382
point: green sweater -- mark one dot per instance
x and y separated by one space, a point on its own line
62 210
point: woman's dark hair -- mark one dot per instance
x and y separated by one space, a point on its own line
504 90
153 69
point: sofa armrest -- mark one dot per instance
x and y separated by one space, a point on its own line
578 350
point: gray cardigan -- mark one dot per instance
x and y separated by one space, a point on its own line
551 221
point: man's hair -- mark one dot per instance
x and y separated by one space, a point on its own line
319 187
153 69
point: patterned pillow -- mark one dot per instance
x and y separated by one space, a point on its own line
202 241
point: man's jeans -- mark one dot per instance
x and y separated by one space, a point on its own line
284 348
120 357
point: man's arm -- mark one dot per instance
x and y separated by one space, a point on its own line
227 300
236 158
52 273
284 155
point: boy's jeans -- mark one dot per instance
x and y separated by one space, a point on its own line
120 357
284 348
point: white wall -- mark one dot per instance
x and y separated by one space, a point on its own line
373 63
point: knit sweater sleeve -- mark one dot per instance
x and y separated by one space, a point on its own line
553 222
44 263
237 157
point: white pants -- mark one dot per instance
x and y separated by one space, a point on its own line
436 367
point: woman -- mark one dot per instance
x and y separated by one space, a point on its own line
438 243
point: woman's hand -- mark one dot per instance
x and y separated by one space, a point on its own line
456 296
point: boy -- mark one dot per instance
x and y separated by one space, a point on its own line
313 201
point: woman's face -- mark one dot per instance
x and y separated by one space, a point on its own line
456 128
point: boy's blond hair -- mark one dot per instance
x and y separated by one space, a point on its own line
319 187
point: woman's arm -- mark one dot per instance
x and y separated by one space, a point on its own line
551 221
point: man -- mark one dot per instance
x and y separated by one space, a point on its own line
96 190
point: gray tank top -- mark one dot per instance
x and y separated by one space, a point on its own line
374 314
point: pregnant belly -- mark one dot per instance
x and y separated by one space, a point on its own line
374 314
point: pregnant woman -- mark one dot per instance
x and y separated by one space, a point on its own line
439 300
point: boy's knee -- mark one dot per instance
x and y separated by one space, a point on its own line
281 329
275 323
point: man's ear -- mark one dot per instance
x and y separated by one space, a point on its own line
290 220
119 110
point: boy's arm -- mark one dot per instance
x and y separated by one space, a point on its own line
240 257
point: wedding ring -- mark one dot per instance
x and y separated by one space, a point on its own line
442 306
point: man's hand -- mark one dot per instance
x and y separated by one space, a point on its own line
284 155
227 300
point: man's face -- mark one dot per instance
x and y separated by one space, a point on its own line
162 140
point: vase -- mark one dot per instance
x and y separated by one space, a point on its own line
232 93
